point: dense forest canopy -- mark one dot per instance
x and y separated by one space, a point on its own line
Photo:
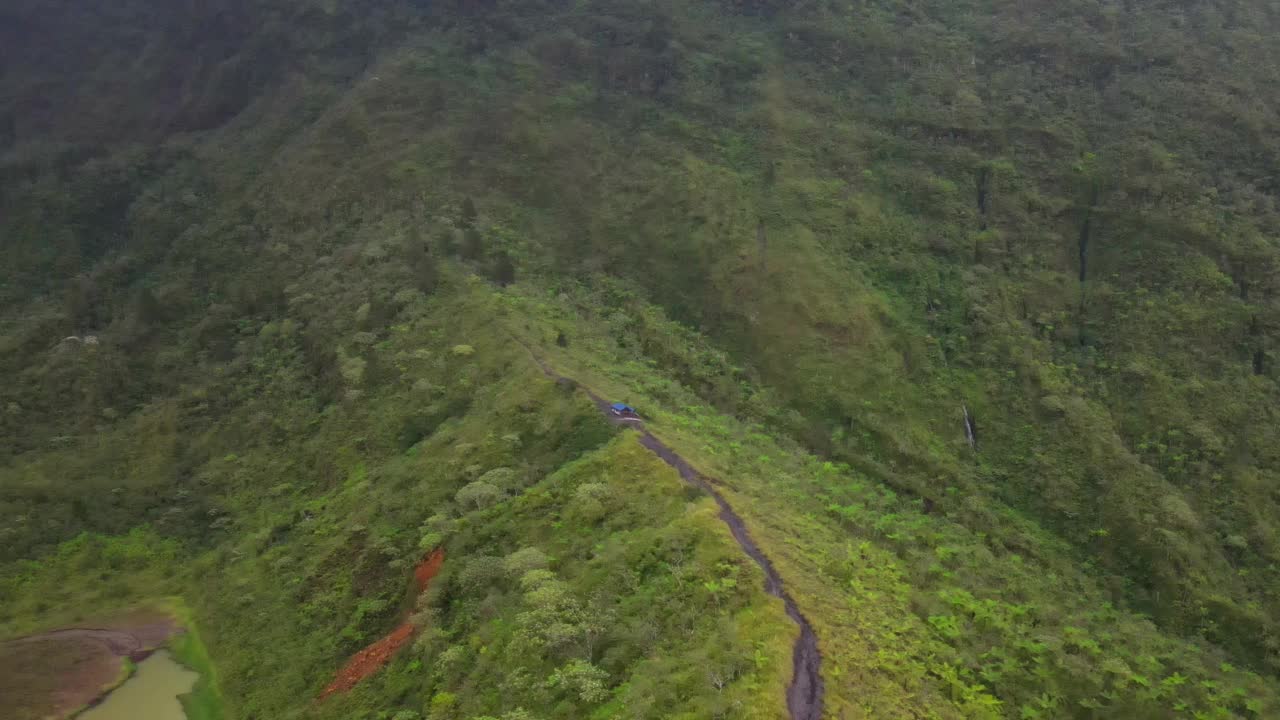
971 306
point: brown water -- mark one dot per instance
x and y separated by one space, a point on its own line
150 694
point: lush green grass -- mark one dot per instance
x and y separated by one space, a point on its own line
803 238
204 702
653 607
87 578
916 605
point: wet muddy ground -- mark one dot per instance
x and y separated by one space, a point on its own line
54 673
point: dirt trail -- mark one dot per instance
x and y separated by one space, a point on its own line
372 658
116 642
428 569
134 637
804 694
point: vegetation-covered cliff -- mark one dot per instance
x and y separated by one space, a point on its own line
969 307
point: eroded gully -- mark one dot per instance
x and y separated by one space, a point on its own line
804 694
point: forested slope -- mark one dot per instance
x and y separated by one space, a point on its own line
971 305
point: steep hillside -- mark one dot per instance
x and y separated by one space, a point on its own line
968 307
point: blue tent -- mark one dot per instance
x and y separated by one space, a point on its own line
623 407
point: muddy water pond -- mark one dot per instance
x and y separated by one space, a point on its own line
150 694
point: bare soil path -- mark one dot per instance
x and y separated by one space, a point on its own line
369 660
804 694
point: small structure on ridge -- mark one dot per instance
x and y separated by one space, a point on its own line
622 411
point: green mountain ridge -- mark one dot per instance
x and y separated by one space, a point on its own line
970 307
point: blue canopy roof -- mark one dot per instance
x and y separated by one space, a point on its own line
623 407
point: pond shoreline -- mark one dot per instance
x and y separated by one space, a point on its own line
152 691
127 671
68 671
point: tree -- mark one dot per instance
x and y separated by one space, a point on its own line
147 308
504 271
525 559
421 263
448 239
81 302
984 194
444 706
478 495
480 571
582 678
472 244
554 619
504 478
469 214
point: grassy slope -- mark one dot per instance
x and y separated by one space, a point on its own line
205 701
818 225
312 568
829 243
917 612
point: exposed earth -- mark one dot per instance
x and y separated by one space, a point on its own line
372 658
56 673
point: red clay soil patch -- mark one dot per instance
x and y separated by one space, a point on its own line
54 673
369 660
429 568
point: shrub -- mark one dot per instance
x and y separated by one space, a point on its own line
503 477
444 706
480 571
478 495
583 678
524 560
